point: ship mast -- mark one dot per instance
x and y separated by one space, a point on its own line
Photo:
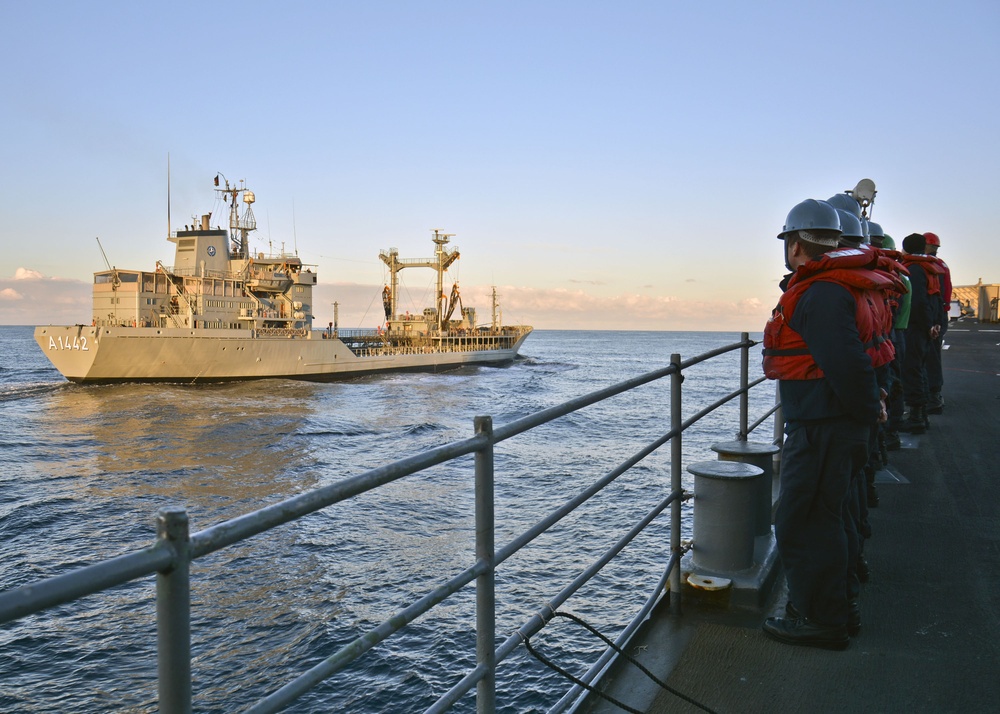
441 261
441 240
497 317
239 226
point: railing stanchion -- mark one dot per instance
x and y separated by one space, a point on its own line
744 392
676 457
173 615
779 430
485 583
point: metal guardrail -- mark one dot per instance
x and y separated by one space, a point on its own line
175 548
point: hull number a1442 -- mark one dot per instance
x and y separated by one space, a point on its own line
78 342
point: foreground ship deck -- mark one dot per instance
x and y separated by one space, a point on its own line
930 638
223 312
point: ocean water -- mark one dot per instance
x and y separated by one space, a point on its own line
83 471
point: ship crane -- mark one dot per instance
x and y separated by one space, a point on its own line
441 261
454 301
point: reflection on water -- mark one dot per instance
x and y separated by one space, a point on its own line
216 450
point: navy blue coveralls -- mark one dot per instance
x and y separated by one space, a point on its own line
828 422
935 375
925 312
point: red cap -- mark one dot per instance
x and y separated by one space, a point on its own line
932 239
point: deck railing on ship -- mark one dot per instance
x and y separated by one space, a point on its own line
175 548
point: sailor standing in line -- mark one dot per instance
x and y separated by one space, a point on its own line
899 325
852 237
923 329
815 344
935 376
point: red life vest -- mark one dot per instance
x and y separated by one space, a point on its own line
932 266
889 261
945 279
786 355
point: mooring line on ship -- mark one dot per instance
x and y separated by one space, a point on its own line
579 682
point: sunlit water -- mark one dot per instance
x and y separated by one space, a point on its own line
83 471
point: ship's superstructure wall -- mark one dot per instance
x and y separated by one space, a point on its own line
208 292
980 300
143 299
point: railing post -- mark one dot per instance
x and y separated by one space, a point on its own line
676 457
744 392
485 583
779 430
173 615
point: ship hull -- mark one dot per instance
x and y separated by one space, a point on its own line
105 355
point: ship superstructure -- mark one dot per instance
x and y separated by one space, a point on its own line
214 282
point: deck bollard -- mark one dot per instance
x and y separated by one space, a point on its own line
761 456
725 493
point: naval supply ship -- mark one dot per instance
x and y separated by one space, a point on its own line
223 313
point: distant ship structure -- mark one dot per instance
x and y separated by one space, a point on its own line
223 313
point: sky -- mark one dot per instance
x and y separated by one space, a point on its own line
605 165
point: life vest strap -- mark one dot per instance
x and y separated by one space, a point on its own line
876 341
774 352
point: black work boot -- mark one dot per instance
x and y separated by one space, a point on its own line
864 570
853 617
872 496
915 422
935 405
802 631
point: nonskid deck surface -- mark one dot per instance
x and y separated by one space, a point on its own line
930 638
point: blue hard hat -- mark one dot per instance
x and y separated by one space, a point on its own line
812 215
865 230
846 202
851 229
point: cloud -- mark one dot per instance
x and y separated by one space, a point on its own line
30 298
360 306
27 274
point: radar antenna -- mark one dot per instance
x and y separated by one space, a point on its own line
240 226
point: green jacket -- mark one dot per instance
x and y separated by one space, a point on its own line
903 311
